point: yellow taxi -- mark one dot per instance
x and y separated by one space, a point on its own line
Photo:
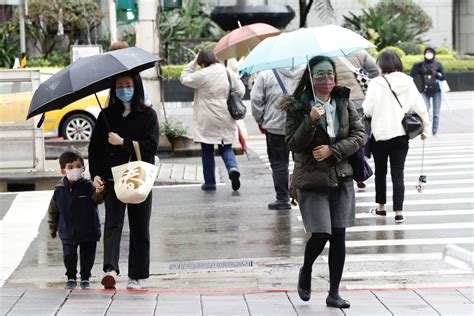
73 122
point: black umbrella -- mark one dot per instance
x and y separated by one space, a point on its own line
86 76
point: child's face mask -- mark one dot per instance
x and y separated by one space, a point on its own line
74 174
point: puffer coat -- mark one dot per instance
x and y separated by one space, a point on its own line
302 135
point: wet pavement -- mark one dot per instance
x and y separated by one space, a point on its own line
228 241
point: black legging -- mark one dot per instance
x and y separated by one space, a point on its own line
337 256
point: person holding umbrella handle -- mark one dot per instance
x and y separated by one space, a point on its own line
130 119
323 130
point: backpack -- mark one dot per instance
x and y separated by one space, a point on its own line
430 83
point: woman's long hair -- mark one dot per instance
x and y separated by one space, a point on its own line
138 100
305 82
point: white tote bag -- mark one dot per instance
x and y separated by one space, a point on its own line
134 180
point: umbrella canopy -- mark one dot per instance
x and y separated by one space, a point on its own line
295 48
87 76
241 41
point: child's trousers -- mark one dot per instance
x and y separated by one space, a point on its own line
87 258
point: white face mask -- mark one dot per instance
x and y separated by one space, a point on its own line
429 56
74 174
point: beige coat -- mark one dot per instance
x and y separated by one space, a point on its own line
212 123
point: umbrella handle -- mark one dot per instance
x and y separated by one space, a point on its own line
105 118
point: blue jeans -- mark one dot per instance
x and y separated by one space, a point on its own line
209 164
436 96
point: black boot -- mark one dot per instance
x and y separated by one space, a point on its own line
305 294
279 205
334 300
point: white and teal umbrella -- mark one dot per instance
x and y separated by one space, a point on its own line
291 49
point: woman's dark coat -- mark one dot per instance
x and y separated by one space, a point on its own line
136 126
303 134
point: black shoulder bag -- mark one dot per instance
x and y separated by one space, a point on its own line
411 122
236 107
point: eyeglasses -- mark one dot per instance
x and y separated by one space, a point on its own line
320 74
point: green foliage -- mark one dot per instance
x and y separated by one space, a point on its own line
172 71
9 43
394 49
58 58
77 17
444 51
415 13
411 48
130 38
389 23
173 129
449 62
178 27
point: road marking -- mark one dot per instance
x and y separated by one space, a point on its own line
421 213
19 228
439 226
371 274
428 191
423 202
409 242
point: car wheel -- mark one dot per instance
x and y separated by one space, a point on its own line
77 127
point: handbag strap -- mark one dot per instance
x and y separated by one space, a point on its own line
280 83
230 81
390 87
136 146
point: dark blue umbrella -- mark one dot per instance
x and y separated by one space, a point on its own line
87 76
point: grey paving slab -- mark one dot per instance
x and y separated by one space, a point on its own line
6 303
87 303
364 303
135 295
468 293
230 304
315 306
448 302
186 304
42 302
9 291
190 172
132 307
165 171
269 304
177 172
404 303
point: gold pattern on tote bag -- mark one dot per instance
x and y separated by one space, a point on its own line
133 178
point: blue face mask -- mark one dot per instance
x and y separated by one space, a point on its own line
124 94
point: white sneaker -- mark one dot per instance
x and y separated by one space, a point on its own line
134 284
108 280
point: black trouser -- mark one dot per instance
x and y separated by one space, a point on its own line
278 155
396 149
87 258
139 222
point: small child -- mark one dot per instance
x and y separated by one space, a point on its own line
73 212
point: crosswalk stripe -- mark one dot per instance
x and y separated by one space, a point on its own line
423 202
453 212
427 191
19 227
438 226
409 242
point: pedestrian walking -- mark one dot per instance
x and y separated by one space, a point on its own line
347 67
429 73
269 87
389 139
212 123
125 120
73 213
323 129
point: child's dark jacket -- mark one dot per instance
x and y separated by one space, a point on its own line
73 211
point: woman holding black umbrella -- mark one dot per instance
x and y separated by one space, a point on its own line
323 130
126 119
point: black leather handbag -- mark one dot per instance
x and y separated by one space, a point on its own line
236 107
411 122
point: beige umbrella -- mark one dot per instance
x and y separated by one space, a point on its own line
241 41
